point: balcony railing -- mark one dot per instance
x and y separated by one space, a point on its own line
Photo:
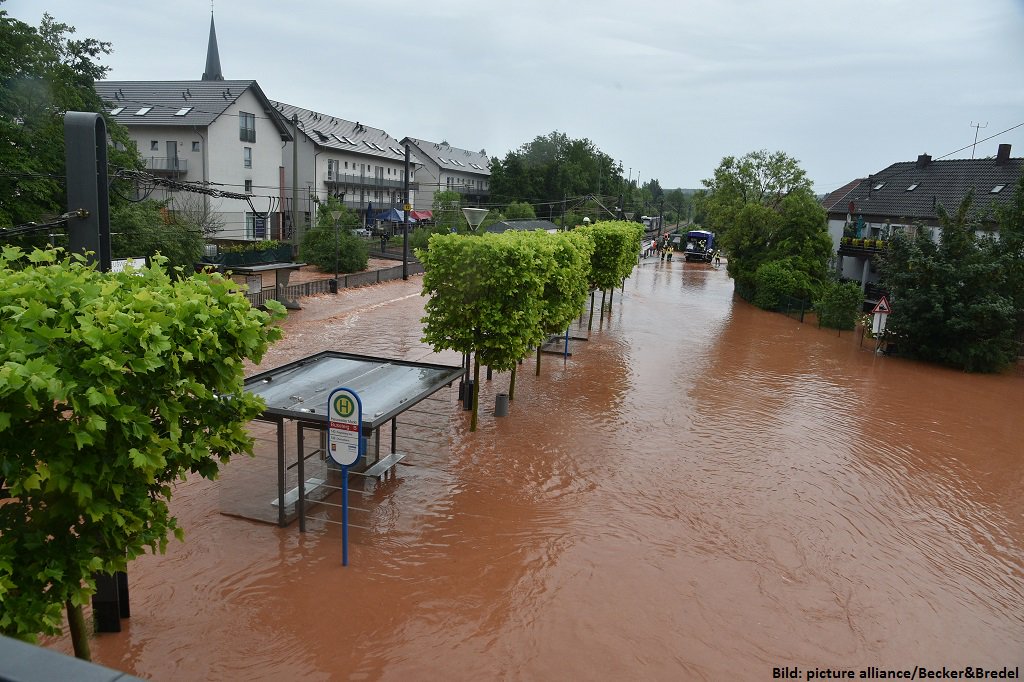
373 182
163 164
855 246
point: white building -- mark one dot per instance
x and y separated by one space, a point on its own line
361 165
448 168
215 131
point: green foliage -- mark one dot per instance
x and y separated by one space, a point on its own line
420 237
139 230
839 305
327 247
447 210
113 387
956 302
43 74
773 281
616 247
520 210
551 167
568 281
261 245
762 210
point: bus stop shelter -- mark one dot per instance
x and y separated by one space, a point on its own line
298 392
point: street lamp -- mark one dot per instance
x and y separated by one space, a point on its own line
474 216
336 214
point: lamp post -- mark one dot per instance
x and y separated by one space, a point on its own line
336 214
474 216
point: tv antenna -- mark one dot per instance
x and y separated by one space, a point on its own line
976 126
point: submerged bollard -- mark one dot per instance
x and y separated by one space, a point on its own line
501 405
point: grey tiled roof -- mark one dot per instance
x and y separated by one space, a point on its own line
333 132
944 183
200 102
453 158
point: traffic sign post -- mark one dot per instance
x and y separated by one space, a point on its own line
881 314
345 428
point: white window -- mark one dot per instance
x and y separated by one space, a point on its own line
143 111
195 145
116 111
248 186
154 145
247 157
182 111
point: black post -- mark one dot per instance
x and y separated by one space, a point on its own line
85 157
405 220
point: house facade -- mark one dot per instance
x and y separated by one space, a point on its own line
218 131
359 164
906 197
450 169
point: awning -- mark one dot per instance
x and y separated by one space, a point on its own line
393 215
421 215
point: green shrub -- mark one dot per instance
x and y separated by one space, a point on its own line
322 245
839 305
772 281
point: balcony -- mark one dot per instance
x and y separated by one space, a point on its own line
165 165
854 246
333 180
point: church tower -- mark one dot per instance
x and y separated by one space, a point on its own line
212 72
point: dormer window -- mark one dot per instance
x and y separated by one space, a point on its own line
997 189
878 186
116 111
913 187
143 111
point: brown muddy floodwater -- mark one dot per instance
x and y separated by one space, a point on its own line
702 491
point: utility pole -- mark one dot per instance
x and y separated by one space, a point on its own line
295 181
976 126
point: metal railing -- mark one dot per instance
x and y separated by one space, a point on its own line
166 164
323 286
372 181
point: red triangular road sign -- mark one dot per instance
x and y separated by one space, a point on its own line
882 306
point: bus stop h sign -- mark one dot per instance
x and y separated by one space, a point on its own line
345 425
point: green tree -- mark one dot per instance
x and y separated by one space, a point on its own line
114 386
43 74
763 210
953 302
568 281
520 210
326 247
839 304
447 209
485 298
141 230
552 167
676 200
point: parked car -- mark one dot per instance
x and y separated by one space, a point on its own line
362 232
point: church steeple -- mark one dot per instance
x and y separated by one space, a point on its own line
212 72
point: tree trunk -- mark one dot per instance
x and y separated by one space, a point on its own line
476 390
611 298
590 323
512 385
76 627
538 360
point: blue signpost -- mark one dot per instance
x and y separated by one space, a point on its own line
345 427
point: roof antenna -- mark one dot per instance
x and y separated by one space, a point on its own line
976 126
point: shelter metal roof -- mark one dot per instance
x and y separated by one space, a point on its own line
386 387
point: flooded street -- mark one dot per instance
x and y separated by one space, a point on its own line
701 491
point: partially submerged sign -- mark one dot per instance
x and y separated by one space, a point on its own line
881 313
345 423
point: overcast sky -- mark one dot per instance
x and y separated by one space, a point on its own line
667 87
